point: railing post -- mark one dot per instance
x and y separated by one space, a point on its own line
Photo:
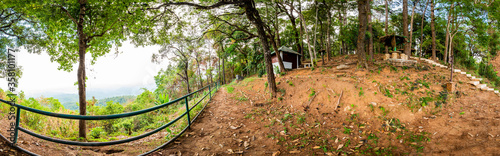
210 92
187 111
18 116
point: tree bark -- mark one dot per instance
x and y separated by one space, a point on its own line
411 24
276 44
329 21
278 54
433 31
370 31
254 17
386 23
422 32
307 38
446 45
341 32
82 48
362 16
315 32
407 47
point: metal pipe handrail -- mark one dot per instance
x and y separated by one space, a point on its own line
100 117
113 116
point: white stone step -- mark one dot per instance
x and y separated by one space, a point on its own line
496 92
477 79
490 89
475 83
481 86
463 73
473 77
484 88
469 75
457 70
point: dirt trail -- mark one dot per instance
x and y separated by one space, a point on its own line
384 110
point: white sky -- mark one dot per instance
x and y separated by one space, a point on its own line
132 68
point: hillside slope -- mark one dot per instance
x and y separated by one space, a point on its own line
384 110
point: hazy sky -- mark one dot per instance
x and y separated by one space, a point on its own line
131 68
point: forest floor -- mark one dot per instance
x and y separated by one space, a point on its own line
384 110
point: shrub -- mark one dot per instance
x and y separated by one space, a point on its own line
97 132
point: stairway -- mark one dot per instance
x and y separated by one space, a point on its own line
474 81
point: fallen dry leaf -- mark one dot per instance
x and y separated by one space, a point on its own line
294 152
276 153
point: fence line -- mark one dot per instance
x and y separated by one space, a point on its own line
113 116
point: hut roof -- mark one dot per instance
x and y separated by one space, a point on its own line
387 40
288 50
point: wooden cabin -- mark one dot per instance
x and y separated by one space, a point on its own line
291 58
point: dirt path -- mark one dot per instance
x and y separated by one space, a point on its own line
221 130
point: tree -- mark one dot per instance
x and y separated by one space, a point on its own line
433 31
362 17
386 23
77 27
407 48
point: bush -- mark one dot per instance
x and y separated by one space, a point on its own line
97 132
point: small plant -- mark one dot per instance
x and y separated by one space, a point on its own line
230 89
404 78
388 93
346 130
361 93
286 117
462 113
312 92
265 85
280 98
289 82
97 132
248 116
301 119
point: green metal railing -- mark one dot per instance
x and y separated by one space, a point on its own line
211 87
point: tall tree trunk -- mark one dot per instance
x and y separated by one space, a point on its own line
253 15
276 44
411 24
341 21
301 32
223 64
446 45
82 48
386 23
433 31
278 54
422 32
307 38
315 32
187 77
362 16
328 50
199 72
407 47
370 31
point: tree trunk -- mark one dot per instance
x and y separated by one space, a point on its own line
187 77
362 16
278 54
407 47
433 31
341 21
328 50
386 23
253 15
315 30
307 38
82 48
276 44
422 33
446 45
411 24
370 42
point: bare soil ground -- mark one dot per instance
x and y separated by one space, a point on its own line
384 110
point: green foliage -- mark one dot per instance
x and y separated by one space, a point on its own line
312 92
230 89
289 82
111 108
361 93
97 132
162 99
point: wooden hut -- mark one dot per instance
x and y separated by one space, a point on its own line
291 58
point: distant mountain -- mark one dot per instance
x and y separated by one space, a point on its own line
120 99
121 95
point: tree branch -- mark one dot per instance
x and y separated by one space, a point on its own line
197 6
67 13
